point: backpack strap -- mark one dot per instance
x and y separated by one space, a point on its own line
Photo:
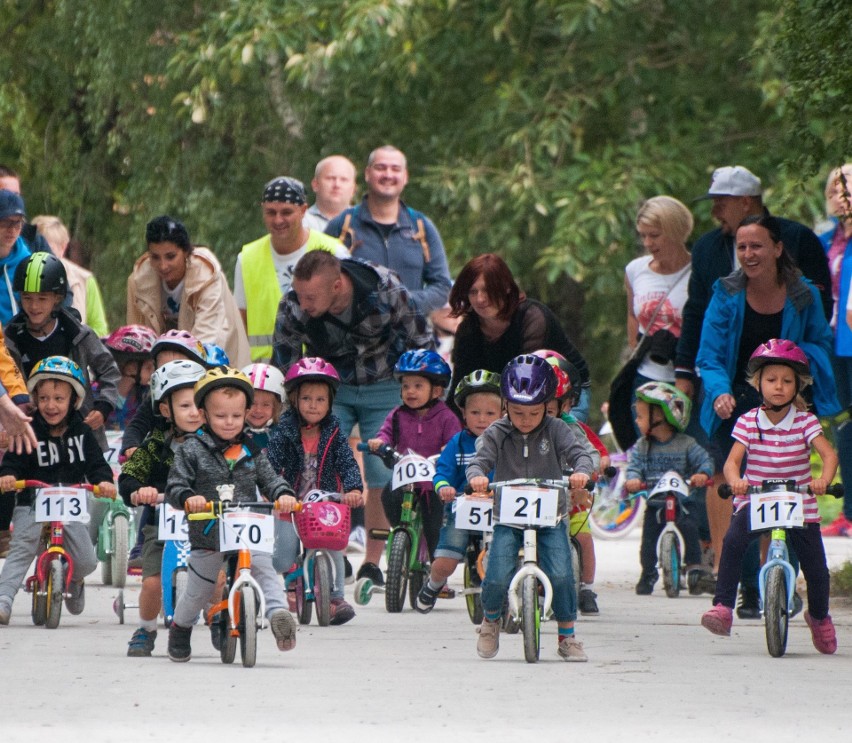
346 230
420 235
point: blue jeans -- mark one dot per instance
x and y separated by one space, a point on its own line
367 405
554 558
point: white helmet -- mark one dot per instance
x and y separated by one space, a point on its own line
174 375
266 378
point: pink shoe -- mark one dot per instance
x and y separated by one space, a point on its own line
840 527
822 633
718 620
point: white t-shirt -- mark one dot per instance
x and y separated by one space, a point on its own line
284 267
171 304
649 288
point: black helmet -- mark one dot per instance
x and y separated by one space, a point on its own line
41 272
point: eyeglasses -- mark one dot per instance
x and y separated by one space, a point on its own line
11 224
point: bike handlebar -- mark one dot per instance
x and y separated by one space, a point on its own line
836 490
22 484
214 509
590 485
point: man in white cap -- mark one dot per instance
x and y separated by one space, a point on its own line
334 186
264 268
736 193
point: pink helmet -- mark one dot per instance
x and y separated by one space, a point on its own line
780 351
311 369
132 340
182 342
266 378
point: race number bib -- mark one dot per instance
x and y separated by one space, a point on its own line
246 530
776 510
62 504
412 469
475 514
173 525
526 505
113 448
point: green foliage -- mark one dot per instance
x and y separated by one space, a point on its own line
533 128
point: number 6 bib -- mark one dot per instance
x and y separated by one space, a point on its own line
245 530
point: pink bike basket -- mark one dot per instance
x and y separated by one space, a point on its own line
323 525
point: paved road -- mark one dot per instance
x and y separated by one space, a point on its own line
654 674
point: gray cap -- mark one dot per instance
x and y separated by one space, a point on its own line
733 180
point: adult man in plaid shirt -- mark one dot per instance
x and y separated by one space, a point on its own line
361 318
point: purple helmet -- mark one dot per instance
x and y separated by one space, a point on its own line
528 380
780 351
311 369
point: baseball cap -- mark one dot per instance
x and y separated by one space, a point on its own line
285 189
11 205
733 180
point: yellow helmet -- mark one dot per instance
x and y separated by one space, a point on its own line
222 376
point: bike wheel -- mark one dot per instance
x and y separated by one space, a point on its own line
180 579
531 619
304 607
670 564
775 614
398 571
120 550
55 589
248 626
228 646
612 516
474 600
106 571
39 605
322 588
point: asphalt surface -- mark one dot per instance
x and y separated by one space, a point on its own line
653 674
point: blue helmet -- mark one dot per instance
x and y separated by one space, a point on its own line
528 380
215 356
427 364
61 369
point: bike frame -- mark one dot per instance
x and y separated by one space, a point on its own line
778 555
55 550
412 522
671 511
305 571
530 567
240 577
105 546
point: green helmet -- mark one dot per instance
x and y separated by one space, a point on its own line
41 272
676 406
480 380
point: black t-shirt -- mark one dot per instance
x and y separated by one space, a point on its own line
757 329
33 350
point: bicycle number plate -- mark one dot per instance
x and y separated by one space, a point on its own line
113 448
62 504
527 505
776 510
173 525
240 530
412 469
475 514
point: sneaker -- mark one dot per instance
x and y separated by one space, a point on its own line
489 639
587 603
749 605
357 540
425 601
645 586
373 572
700 581
180 650
840 527
283 628
798 604
5 541
571 650
75 602
718 620
822 633
141 645
5 612
348 576
341 612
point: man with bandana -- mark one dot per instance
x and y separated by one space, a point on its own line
264 269
384 230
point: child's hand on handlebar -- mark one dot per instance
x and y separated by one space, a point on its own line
353 498
819 486
195 504
106 489
374 444
285 503
633 485
739 487
605 464
479 484
447 493
146 496
578 480
698 480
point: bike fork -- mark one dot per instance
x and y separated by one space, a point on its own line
244 577
530 567
778 555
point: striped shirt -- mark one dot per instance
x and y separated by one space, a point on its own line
778 451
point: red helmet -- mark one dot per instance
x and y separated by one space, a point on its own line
311 369
780 351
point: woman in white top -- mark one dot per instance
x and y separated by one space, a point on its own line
657 283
